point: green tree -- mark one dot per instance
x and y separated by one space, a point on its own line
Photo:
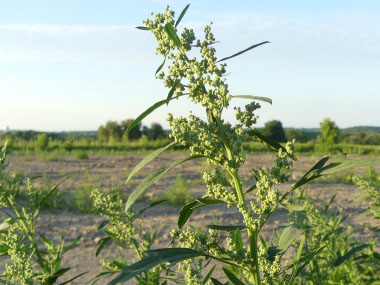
329 133
111 130
274 130
298 135
135 133
42 141
102 134
157 131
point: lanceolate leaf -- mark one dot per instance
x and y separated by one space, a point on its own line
259 98
153 204
171 92
232 277
268 142
216 282
151 179
146 113
156 257
188 209
148 159
102 245
143 28
169 29
339 166
350 254
225 228
161 66
208 275
243 51
181 15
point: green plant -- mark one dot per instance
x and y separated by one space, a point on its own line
81 155
178 193
329 134
32 259
342 258
275 131
202 80
121 228
370 183
42 141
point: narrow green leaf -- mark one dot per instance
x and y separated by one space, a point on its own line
243 51
208 275
154 258
151 179
238 241
146 113
72 244
268 142
349 254
143 28
170 30
188 209
232 277
339 166
102 244
148 159
216 282
153 204
53 278
171 92
250 189
103 224
311 174
259 98
181 15
297 261
161 66
225 228
72 279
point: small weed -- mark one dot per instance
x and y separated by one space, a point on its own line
81 155
178 193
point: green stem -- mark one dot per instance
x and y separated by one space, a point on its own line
251 234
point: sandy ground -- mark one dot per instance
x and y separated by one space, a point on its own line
110 171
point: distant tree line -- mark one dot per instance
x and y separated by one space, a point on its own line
112 130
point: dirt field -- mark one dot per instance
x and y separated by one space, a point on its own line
106 171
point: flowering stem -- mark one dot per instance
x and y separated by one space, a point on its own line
251 234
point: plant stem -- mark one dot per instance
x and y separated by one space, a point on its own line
251 234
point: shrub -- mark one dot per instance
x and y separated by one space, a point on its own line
42 141
178 193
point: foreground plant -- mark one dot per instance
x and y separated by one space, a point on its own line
121 228
33 260
343 257
202 80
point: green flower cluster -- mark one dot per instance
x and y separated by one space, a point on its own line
202 79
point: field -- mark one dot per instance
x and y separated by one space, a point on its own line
107 171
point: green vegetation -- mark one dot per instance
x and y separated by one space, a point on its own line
42 141
34 259
274 130
319 248
178 193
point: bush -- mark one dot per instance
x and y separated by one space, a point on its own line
42 141
178 193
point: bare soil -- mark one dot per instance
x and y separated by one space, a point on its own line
110 171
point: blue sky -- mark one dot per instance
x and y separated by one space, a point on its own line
75 64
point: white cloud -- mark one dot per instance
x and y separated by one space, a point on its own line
96 44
